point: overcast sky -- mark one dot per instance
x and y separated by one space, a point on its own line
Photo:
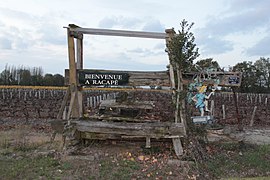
32 33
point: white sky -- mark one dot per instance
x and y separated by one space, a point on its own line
32 33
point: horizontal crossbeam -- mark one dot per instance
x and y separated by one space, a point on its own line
152 130
124 33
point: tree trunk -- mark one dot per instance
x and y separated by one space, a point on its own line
180 102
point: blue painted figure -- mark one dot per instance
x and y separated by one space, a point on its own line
200 97
200 100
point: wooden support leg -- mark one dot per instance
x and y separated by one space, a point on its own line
148 142
63 142
63 104
177 146
65 113
80 102
73 94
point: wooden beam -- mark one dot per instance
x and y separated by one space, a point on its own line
152 130
111 103
178 148
72 62
79 64
124 33
79 53
138 78
121 119
71 105
63 104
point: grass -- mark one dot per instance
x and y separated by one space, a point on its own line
254 178
121 170
15 161
19 158
28 168
16 141
239 160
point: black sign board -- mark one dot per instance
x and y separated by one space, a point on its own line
234 80
97 78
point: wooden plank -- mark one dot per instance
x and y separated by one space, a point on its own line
136 78
178 148
166 78
124 33
99 136
122 119
111 103
152 130
162 78
132 73
127 89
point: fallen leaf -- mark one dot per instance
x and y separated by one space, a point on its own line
146 158
141 158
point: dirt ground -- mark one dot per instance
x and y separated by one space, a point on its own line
251 135
109 159
96 159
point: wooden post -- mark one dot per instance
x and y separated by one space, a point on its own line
180 104
79 64
148 142
179 108
25 95
223 111
80 103
65 113
252 117
63 105
79 41
71 57
255 96
212 110
171 33
239 119
74 107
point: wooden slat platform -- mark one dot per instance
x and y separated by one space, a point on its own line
151 130
111 103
